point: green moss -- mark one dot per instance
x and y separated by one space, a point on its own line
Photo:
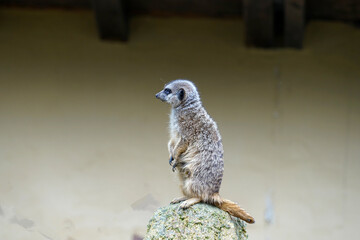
201 221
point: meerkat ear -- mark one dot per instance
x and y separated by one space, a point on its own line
181 94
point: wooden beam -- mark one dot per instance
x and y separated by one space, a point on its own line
259 23
333 9
47 3
112 19
294 23
348 10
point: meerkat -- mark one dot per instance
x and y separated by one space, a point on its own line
196 149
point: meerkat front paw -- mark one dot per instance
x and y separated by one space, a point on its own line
172 163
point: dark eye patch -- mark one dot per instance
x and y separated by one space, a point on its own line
167 91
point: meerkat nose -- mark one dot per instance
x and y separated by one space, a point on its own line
157 95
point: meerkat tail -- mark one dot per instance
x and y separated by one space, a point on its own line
235 210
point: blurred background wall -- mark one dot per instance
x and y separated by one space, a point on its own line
83 141
325 9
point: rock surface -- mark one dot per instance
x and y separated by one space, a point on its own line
201 221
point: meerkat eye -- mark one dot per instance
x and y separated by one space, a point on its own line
167 91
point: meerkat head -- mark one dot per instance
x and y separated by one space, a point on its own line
178 92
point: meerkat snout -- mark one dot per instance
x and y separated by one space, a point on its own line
163 95
167 95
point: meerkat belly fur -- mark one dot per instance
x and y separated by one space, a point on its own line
196 149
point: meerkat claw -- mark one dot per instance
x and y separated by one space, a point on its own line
178 200
174 167
171 160
184 206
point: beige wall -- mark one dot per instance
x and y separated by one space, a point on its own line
83 139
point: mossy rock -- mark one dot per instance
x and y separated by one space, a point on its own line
201 221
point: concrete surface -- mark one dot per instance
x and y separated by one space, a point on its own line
83 140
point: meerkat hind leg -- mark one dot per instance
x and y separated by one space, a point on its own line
179 199
189 202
